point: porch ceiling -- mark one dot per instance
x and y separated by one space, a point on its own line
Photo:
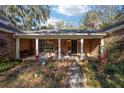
62 36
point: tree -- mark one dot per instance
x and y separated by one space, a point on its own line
102 16
68 25
120 15
63 25
107 14
50 26
91 21
26 15
60 24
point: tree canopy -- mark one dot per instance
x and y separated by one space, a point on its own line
31 17
101 16
26 16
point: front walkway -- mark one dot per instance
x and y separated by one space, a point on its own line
77 78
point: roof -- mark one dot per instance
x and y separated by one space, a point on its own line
12 29
4 18
59 32
7 27
114 27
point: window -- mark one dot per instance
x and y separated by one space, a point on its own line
3 43
46 45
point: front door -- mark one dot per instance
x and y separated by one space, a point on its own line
74 46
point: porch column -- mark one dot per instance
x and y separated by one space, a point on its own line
82 43
17 48
59 48
102 46
37 47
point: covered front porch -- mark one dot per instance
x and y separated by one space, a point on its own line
59 44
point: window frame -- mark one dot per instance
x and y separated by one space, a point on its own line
3 43
46 46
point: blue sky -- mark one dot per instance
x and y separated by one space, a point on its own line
71 13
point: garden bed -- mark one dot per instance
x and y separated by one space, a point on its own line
31 74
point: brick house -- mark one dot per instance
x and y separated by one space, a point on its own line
18 44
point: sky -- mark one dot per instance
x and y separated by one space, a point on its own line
71 13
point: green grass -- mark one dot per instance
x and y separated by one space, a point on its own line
6 64
50 65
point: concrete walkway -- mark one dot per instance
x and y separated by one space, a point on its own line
74 76
77 79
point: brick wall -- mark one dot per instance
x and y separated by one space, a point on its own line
91 46
115 36
9 50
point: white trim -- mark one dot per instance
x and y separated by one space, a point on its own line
102 46
17 48
82 43
61 34
59 48
37 46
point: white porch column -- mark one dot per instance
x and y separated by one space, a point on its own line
17 48
37 46
82 43
59 48
102 46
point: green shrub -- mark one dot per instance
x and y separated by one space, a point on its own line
8 63
110 69
113 52
50 65
60 76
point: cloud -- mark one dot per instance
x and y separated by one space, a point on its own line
72 10
52 21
